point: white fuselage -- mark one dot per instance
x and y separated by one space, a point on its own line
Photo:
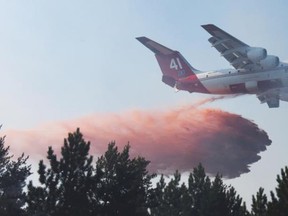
223 81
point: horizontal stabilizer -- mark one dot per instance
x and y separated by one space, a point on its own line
155 47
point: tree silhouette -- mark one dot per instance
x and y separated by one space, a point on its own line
169 199
199 185
201 196
12 181
67 185
117 185
124 182
259 204
279 203
120 185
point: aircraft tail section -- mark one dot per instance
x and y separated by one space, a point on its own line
177 72
173 65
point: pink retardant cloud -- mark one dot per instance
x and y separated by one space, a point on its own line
178 138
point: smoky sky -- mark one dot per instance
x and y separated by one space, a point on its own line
176 139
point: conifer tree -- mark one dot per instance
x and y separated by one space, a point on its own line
259 203
199 185
124 184
279 203
66 185
13 175
202 197
168 199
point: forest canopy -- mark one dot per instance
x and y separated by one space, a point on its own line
75 183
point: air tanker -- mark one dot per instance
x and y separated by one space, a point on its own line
253 72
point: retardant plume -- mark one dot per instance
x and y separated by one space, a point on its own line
179 138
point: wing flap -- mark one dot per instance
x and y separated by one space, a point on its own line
270 97
273 102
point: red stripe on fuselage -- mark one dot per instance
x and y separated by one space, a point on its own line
191 84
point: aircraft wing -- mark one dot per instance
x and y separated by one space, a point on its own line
237 53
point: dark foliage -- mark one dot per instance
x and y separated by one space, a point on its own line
124 183
12 181
119 185
279 204
202 196
259 204
67 185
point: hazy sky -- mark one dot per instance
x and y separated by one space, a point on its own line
62 60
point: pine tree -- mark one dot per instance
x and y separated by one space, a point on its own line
157 202
235 205
169 199
13 175
279 203
259 204
67 185
124 184
217 198
199 186
202 197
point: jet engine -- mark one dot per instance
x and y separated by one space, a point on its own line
269 62
256 54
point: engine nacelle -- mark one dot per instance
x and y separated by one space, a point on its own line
256 54
269 62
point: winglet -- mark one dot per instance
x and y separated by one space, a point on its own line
155 47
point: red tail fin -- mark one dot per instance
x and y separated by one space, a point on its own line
173 65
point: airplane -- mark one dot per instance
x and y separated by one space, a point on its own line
254 72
